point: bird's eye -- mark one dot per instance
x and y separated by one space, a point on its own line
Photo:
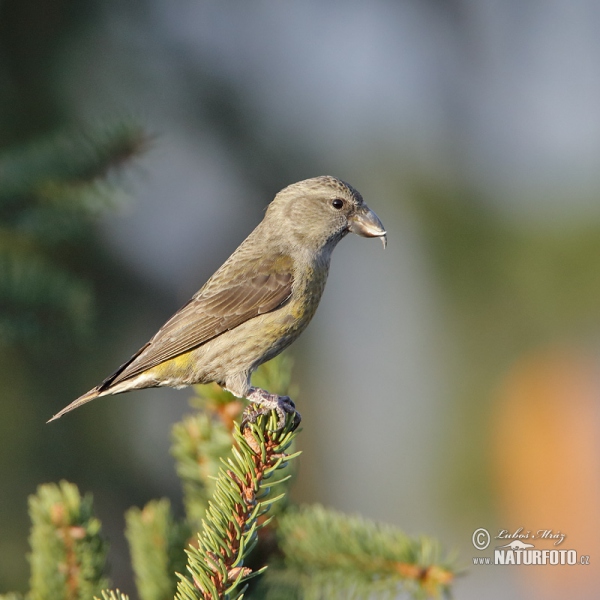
337 203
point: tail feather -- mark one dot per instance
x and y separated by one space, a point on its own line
93 393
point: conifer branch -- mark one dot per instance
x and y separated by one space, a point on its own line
68 554
32 171
202 439
229 533
332 555
112 595
157 545
49 192
199 442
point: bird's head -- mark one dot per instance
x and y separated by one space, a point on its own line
317 213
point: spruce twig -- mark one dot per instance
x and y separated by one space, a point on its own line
157 545
112 595
332 555
31 172
49 192
202 439
229 533
68 554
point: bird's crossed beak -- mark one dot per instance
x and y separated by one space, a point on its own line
366 223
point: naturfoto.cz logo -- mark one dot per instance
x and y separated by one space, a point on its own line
519 552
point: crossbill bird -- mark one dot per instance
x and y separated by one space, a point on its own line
256 304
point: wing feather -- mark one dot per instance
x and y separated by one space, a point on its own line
212 312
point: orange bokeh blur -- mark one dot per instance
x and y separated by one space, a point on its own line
546 460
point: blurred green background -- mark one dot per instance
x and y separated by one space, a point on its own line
447 384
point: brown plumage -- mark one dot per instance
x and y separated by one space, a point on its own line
258 301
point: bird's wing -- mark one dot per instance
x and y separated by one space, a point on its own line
211 313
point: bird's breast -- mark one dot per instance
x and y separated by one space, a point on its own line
307 292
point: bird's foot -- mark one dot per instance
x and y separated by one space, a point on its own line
263 403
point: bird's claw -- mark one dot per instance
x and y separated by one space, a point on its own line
263 403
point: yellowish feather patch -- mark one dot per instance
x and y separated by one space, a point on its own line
175 367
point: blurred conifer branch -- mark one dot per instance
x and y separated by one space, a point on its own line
199 442
331 555
112 595
157 545
68 555
49 192
40 170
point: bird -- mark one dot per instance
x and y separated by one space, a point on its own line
255 305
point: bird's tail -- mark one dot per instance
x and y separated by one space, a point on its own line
94 393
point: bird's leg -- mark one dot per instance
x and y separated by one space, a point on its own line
263 402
